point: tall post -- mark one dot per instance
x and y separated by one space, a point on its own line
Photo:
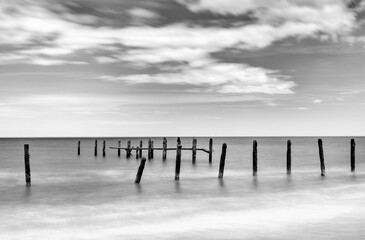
254 158
164 150
288 158
321 157
79 147
152 151
210 150
223 161
178 160
194 150
119 146
129 149
140 171
149 149
140 148
352 155
103 148
27 165
96 148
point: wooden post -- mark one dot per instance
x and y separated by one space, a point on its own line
288 158
27 165
79 147
210 150
137 153
149 148
352 155
119 145
194 150
140 171
140 148
152 151
164 151
223 160
254 158
129 149
96 148
321 157
178 160
103 148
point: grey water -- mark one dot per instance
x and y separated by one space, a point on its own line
88 197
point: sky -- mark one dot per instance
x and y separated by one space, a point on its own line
72 68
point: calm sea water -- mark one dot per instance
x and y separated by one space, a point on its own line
87 197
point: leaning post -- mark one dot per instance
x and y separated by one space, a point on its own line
223 160
321 157
140 171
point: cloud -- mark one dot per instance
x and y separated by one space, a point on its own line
142 13
317 101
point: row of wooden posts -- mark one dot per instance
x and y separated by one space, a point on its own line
194 148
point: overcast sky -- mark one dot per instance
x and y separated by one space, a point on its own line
184 67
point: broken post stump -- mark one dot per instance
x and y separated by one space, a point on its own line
352 155
178 160
288 158
119 146
78 147
321 157
222 161
194 150
254 158
128 150
140 171
27 165
210 150
96 148
164 149
103 148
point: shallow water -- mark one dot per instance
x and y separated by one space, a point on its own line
87 197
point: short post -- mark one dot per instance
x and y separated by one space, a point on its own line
137 153
149 149
210 150
27 165
96 148
321 157
254 158
164 150
119 146
140 171
223 160
140 148
352 155
194 150
178 160
152 151
79 147
103 148
128 154
288 158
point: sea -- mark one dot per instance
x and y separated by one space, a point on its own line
91 197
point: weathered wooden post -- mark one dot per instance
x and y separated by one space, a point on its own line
210 150
288 158
129 150
352 155
140 171
152 150
194 150
178 160
149 148
164 150
119 146
254 158
223 161
140 148
79 148
96 148
321 157
27 165
137 153
103 148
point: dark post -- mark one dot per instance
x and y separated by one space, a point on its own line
210 150
288 158
140 148
140 171
223 160
119 146
321 157
129 149
194 150
96 148
352 155
152 151
178 160
79 147
254 158
164 146
149 149
27 164
103 148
